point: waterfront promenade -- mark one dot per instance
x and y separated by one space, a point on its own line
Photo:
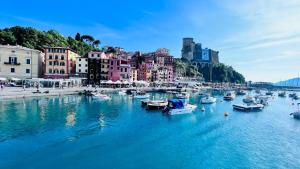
19 92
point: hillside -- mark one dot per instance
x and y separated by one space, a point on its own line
35 39
295 82
221 72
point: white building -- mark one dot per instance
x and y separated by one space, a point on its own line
82 66
20 62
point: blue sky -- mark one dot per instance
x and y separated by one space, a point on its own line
259 38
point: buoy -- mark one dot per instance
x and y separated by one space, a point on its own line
203 109
226 114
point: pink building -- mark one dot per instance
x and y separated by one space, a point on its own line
119 69
114 69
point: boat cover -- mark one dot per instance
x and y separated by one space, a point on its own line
176 103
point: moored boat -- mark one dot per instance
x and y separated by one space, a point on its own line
269 93
141 95
229 96
156 104
248 99
182 95
248 107
296 114
241 92
177 107
282 94
122 93
101 96
208 100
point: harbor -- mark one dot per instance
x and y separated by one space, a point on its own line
79 128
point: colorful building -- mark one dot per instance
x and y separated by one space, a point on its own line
20 62
60 62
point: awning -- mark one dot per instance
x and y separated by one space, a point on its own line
15 79
3 79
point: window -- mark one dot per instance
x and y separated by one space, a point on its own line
85 70
28 61
62 63
27 71
79 70
50 62
12 70
79 59
62 71
125 69
79 65
56 57
13 60
86 65
50 70
50 56
62 57
121 69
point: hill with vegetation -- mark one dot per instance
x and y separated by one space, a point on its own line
220 72
35 39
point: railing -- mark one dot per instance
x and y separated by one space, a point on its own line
12 63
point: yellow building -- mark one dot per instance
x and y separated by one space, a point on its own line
20 62
134 74
60 62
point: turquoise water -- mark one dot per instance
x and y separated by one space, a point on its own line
77 132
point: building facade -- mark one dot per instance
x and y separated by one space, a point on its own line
98 67
60 62
82 66
20 62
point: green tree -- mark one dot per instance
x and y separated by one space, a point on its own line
78 37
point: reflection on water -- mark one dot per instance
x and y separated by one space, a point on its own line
32 116
43 132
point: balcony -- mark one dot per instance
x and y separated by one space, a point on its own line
12 63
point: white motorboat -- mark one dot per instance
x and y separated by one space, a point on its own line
269 93
261 99
208 100
229 96
101 96
122 93
177 107
141 95
249 99
296 114
182 95
248 107
156 104
241 92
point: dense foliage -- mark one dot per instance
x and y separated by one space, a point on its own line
220 72
35 39
186 69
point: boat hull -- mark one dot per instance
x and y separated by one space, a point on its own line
186 110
